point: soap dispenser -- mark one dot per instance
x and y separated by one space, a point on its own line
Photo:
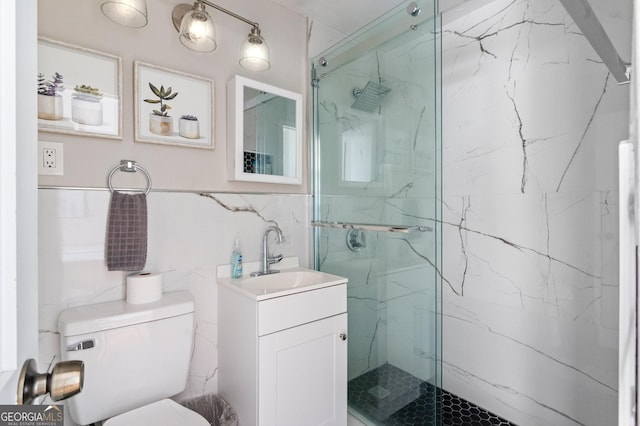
236 260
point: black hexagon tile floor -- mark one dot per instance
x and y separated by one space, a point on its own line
392 397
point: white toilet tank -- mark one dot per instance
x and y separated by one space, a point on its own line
133 354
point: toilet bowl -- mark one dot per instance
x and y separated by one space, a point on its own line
135 357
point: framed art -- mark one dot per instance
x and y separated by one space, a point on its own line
79 90
173 107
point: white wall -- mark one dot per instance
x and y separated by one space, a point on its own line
531 122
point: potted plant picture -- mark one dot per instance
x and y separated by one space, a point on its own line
160 122
50 105
86 105
189 127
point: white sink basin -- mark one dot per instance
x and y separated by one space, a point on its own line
287 281
284 280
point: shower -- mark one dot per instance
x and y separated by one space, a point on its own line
376 214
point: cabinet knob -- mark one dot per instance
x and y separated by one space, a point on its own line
343 336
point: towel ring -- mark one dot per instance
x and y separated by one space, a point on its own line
131 167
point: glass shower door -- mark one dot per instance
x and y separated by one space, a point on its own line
377 209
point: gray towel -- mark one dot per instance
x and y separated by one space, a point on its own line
127 232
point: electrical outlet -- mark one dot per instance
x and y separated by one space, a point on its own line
50 158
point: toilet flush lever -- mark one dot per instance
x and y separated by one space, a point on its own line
80 346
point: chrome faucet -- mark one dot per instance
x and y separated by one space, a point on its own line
266 259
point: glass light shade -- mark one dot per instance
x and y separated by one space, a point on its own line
130 13
254 55
197 31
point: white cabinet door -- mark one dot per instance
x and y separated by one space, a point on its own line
303 375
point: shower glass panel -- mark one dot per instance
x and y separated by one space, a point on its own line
377 171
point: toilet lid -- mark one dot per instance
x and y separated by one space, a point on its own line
164 412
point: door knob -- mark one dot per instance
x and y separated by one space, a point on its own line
343 336
65 380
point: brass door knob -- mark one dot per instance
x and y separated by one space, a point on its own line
65 380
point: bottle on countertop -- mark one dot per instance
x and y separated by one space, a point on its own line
236 260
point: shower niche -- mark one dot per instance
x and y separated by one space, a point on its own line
264 127
359 152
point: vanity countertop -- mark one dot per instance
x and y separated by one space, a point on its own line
291 279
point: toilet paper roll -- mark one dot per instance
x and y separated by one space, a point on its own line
144 287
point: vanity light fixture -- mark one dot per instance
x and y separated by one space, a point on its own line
197 32
130 13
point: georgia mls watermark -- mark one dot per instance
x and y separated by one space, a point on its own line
31 415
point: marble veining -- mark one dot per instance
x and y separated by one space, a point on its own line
516 246
468 376
564 364
524 142
239 209
531 120
463 231
586 129
529 214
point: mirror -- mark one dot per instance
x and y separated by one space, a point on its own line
264 124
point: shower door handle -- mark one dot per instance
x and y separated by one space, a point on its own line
343 336
403 229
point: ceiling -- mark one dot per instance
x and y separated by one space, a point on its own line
340 15
340 18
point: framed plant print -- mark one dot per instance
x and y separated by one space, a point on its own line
79 90
173 107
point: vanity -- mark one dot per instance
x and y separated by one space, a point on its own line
282 346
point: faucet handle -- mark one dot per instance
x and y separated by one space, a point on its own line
275 259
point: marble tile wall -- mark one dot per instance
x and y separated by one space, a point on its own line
189 235
531 123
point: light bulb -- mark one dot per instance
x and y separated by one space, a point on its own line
197 30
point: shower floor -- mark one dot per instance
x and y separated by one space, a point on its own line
392 397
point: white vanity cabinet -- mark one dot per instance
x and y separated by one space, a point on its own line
283 358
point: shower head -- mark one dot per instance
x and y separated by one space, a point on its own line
370 97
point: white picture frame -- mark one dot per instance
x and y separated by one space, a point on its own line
73 109
184 95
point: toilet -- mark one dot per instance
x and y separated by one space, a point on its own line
135 357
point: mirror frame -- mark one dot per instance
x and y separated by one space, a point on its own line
235 131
